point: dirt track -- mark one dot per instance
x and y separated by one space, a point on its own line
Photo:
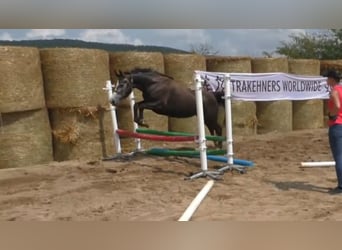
154 189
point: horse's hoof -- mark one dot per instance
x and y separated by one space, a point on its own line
142 124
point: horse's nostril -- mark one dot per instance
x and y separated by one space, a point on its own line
112 101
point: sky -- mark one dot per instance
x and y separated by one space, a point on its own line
228 42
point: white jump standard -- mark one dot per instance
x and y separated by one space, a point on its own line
201 130
229 128
117 142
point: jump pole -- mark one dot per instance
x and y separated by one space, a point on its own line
201 131
318 164
115 125
228 113
117 143
196 202
229 127
135 125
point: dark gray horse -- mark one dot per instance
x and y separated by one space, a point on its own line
164 96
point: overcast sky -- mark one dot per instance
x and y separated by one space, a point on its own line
229 42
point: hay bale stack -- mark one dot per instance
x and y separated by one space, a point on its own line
181 67
75 77
74 81
21 82
82 133
25 133
307 114
272 115
243 112
25 139
126 61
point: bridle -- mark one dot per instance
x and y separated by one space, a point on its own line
129 82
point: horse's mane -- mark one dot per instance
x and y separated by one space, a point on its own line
147 70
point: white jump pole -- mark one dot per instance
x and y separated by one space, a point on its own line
318 164
114 120
229 126
228 113
201 133
200 123
135 125
228 118
196 202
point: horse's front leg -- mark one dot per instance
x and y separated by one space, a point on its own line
139 114
139 111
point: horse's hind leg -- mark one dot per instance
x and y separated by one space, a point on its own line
211 122
218 130
215 129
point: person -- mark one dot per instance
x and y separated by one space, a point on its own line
335 124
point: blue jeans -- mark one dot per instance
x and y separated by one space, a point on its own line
335 141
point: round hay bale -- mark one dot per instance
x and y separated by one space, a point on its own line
25 138
307 114
268 65
244 120
126 61
181 67
243 112
229 64
272 115
75 77
304 67
82 133
330 64
21 81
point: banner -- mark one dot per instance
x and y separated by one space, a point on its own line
268 86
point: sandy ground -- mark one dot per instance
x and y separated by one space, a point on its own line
151 188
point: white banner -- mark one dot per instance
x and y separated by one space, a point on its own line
268 86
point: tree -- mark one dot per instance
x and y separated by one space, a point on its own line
267 54
203 49
320 45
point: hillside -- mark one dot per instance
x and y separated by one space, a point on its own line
58 43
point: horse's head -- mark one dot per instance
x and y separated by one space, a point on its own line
122 89
219 96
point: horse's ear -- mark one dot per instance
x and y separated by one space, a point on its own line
119 73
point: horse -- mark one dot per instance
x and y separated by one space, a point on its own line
164 96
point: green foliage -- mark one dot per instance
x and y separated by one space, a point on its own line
321 45
69 43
